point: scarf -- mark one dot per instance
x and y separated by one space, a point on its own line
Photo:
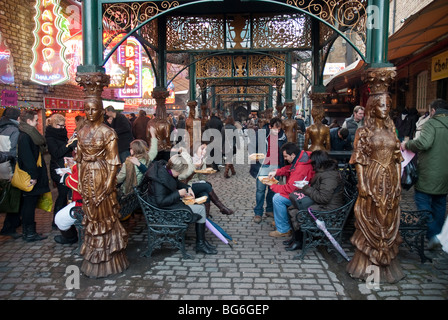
131 177
35 135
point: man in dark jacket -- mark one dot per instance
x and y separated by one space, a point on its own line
123 128
31 148
340 139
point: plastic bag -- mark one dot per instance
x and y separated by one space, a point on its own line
409 176
45 202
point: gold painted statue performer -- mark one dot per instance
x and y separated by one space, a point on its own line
377 159
105 238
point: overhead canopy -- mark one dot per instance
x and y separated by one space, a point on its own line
420 30
345 78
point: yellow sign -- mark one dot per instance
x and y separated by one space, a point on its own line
439 66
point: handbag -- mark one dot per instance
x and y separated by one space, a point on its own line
409 176
45 202
300 201
21 179
9 197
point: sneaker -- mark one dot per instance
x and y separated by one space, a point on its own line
277 234
269 214
257 219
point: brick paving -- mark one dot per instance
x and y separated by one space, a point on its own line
257 268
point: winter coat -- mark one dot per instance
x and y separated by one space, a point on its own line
300 169
352 126
163 187
406 127
255 167
326 188
56 141
229 145
139 127
27 156
122 127
9 135
432 146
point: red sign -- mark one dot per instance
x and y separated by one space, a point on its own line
63 104
49 66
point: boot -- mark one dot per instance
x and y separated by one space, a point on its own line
207 209
29 233
201 245
232 168
69 236
226 171
298 241
214 198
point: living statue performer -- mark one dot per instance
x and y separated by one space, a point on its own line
290 125
105 238
318 133
377 159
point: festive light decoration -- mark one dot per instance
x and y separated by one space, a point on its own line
49 66
130 54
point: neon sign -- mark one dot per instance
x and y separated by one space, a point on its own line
6 63
49 66
130 55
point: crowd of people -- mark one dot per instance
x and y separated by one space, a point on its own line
303 157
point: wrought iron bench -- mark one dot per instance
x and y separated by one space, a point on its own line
413 228
334 221
165 226
128 204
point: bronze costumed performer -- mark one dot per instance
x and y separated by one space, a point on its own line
105 238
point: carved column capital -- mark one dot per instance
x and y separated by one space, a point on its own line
93 83
379 79
318 98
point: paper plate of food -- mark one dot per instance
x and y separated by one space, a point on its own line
267 181
300 184
188 200
257 156
206 171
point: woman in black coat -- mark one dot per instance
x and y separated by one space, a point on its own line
56 137
166 191
30 147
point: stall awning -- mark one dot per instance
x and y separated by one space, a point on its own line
420 30
345 78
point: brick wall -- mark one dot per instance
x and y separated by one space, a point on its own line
403 9
16 25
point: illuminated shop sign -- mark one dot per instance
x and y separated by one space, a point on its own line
6 63
130 56
49 66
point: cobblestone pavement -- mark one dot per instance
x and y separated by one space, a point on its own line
257 268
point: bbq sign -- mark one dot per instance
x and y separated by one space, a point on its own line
49 66
130 56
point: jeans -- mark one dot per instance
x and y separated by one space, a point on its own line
281 215
437 205
261 195
202 188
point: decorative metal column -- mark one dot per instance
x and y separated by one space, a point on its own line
377 160
103 260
